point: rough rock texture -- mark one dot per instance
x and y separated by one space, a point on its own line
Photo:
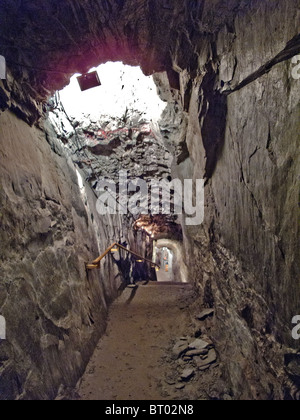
74 35
246 145
233 118
55 311
104 147
238 120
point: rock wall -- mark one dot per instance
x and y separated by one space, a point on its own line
55 311
104 147
241 128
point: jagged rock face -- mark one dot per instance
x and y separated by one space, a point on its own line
105 147
247 250
233 118
49 227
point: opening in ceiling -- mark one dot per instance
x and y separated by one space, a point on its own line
114 127
123 88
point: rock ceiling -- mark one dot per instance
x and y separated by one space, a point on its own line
46 42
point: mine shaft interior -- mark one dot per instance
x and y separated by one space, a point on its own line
149 201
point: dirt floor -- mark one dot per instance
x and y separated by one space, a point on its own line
135 360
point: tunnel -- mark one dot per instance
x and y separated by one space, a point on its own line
127 237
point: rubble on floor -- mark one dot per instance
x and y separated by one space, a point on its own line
196 369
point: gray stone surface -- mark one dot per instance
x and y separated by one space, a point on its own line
208 360
105 147
187 374
199 345
246 251
205 314
199 352
179 349
49 228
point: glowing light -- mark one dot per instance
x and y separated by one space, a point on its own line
123 87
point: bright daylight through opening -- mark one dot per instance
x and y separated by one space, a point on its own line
122 87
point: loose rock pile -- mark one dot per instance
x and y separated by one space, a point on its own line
199 353
195 367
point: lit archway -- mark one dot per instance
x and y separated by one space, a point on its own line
169 255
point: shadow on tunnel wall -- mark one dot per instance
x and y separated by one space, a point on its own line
214 116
